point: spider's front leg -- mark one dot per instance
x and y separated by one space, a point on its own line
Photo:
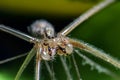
94 51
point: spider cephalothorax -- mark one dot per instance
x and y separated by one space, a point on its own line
49 47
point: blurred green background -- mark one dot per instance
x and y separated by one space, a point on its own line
101 30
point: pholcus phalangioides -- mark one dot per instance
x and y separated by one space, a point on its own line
49 44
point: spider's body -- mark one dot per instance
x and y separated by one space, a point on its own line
50 44
49 47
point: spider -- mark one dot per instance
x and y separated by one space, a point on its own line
48 44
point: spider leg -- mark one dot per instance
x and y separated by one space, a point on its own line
18 34
50 71
25 63
85 16
48 68
53 73
12 58
94 65
94 51
37 70
69 77
76 67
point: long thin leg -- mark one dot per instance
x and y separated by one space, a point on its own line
48 68
50 71
38 61
13 58
69 77
18 34
25 63
94 65
94 51
53 73
76 67
85 16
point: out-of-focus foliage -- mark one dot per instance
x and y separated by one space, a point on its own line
48 7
